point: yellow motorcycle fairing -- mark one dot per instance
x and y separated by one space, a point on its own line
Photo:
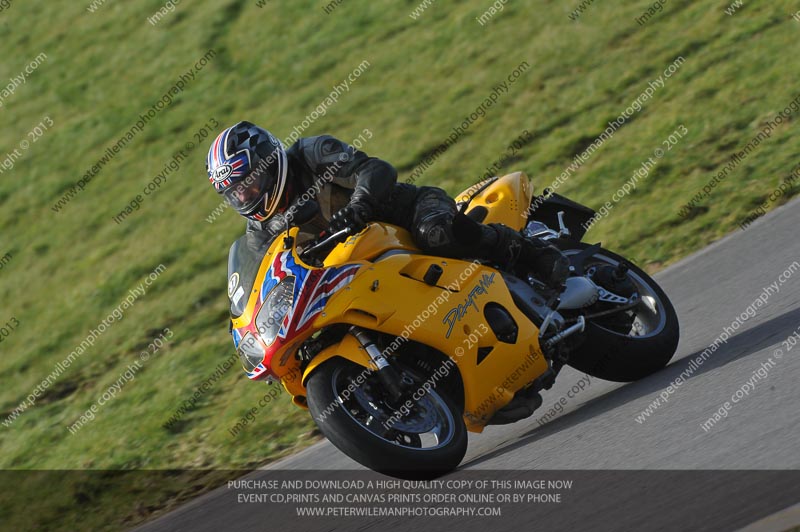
507 200
388 295
448 319
367 245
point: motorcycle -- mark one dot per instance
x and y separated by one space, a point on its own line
397 354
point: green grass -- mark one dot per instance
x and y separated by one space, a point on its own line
273 66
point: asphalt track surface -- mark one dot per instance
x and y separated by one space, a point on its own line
664 473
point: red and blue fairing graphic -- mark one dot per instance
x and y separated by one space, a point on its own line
312 290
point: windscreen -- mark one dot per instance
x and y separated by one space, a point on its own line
244 260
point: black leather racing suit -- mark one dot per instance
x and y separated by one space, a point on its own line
337 175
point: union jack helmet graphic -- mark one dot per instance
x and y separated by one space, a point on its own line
248 166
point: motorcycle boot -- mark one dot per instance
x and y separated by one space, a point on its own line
512 251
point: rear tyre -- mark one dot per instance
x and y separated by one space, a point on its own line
611 352
429 441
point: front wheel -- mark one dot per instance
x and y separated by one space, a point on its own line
632 344
420 438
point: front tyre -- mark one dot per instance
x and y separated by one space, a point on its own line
631 345
418 439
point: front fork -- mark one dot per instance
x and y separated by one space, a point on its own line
394 383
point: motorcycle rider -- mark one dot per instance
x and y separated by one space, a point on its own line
266 183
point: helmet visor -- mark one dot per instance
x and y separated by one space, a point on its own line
245 195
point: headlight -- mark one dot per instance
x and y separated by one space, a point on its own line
275 308
251 352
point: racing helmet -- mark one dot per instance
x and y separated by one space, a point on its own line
248 166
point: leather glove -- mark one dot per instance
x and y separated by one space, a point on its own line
353 217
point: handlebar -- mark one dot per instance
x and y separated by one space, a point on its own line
329 240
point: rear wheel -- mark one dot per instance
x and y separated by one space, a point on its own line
422 438
631 344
